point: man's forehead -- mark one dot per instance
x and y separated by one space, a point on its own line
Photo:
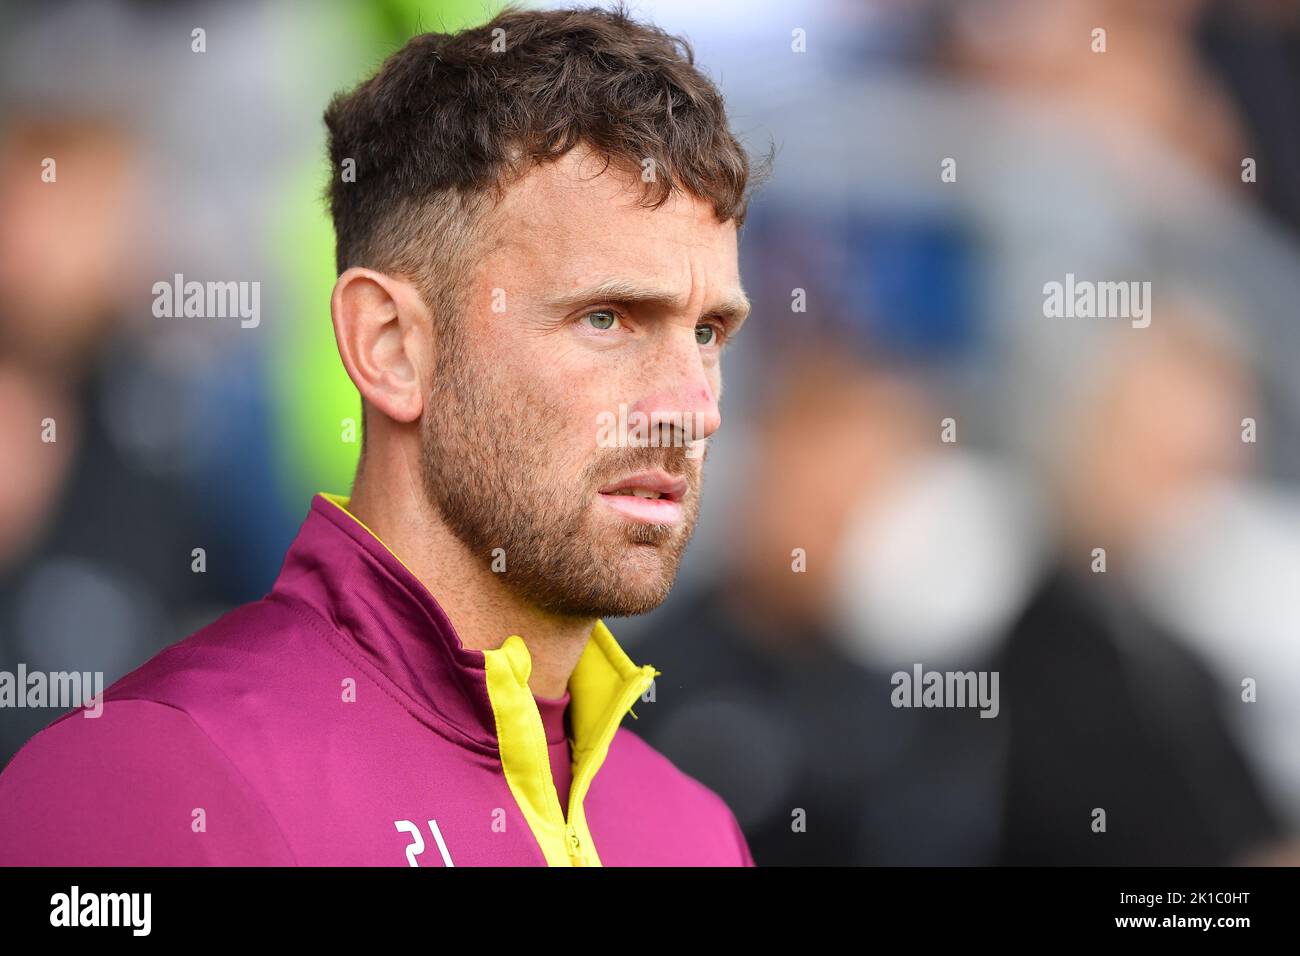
577 233
580 174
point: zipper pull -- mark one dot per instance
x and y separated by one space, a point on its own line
575 844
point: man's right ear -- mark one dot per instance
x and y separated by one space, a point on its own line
382 328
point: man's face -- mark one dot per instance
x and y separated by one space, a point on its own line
516 435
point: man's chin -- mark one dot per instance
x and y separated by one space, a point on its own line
622 604
636 584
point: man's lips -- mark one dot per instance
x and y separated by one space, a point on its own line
649 485
654 497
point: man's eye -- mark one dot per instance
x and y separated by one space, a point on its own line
601 319
706 334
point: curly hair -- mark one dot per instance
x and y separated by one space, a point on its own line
450 120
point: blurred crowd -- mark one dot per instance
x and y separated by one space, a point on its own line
917 465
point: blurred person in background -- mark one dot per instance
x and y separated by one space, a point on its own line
162 425
1108 709
1138 169
95 542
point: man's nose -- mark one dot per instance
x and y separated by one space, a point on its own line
681 393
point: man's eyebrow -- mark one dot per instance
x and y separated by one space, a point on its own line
624 292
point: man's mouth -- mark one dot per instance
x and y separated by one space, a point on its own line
652 497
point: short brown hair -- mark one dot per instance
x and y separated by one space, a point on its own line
451 119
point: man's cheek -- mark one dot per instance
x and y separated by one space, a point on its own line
715 380
602 425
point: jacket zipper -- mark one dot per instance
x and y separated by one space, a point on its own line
579 790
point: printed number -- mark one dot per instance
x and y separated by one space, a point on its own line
417 841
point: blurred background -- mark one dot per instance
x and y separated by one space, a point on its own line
946 457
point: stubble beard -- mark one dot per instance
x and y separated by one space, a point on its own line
484 457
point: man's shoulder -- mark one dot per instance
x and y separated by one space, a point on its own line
130 782
166 742
193 697
252 649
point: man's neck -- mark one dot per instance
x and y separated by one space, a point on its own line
477 602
